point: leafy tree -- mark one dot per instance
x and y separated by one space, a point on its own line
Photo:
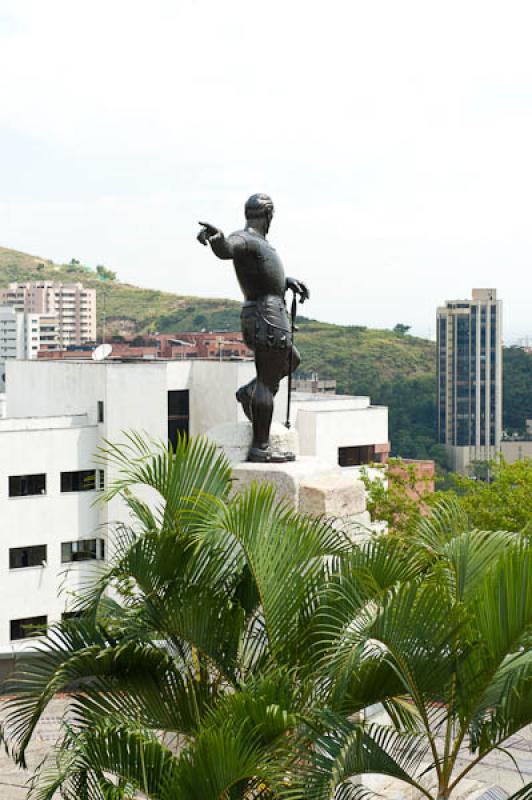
398 496
504 502
105 274
401 329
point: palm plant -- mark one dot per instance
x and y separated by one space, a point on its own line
188 658
230 645
448 654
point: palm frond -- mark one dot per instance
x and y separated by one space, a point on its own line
181 475
341 751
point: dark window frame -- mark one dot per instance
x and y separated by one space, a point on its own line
78 550
33 626
357 455
80 480
34 554
27 485
178 414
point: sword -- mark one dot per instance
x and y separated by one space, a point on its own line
293 312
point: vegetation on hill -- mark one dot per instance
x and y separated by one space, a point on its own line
128 309
517 388
392 367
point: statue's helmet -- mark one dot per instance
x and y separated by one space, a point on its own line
258 205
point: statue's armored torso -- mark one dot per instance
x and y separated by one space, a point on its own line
258 267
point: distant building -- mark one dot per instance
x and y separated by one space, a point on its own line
72 304
517 446
206 344
516 449
218 345
422 471
23 334
469 344
312 383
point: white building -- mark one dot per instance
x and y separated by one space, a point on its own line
341 429
72 304
23 334
59 412
516 449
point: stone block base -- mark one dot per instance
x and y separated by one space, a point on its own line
333 493
312 487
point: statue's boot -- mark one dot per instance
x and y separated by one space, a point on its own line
244 395
269 455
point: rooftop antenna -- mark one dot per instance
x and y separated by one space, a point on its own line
102 352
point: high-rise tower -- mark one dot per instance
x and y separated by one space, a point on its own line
470 378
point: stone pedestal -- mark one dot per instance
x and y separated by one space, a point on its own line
312 487
235 439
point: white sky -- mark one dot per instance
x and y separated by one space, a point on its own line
394 136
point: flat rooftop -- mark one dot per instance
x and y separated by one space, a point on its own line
10 424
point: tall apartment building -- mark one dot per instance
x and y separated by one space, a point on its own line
72 304
469 344
22 334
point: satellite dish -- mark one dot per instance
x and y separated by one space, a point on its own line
102 352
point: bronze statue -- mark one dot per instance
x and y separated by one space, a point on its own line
265 323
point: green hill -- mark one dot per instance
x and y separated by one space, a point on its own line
395 369
128 308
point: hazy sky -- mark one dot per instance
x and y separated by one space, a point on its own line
394 136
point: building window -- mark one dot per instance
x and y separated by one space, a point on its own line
83 480
101 479
83 550
100 411
20 557
27 627
24 485
178 415
354 456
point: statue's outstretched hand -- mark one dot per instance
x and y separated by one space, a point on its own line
207 232
299 288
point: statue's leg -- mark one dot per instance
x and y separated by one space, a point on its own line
271 366
262 398
244 396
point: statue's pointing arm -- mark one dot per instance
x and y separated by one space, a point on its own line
221 246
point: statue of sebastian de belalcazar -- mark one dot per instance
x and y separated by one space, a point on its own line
266 325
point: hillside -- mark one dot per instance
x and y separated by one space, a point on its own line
128 309
395 369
